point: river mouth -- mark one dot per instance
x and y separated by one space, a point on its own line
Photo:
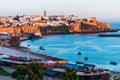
100 51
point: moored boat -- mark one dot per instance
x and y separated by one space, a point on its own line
85 58
79 53
113 63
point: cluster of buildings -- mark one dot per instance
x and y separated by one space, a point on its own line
36 20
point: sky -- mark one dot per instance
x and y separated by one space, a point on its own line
104 10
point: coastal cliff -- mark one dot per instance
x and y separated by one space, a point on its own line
20 30
46 30
85 26
89 26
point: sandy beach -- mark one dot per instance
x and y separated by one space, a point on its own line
15 52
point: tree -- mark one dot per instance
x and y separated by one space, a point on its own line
21 70
34 71
116 78
70 74
17 17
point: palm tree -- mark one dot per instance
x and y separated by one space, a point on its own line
34 71
70 74
20 71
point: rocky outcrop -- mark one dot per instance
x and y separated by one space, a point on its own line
46 30
19 30
75 27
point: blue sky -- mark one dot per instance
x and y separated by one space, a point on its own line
104 10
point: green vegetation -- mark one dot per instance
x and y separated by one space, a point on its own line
20 78
21 70
16 18
70 74
32 71
5 73
116 78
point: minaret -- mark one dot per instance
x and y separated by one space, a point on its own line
45 13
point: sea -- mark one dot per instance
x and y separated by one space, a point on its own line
100 51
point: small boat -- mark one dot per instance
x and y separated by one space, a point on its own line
79 53
41 48
28 45
86 58
113 63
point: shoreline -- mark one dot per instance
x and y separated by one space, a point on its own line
73 33
37 54
93 32
83 32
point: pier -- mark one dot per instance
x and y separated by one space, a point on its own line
108 35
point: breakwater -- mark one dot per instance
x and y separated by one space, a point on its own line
109 35
100 51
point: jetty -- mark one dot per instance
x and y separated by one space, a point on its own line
108 35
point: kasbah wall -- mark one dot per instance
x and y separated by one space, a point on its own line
25 29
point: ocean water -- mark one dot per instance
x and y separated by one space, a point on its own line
99 50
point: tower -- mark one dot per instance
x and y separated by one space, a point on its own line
94 19
45 13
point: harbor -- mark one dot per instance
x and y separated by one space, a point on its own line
75 48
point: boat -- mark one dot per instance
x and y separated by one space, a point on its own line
113 63
79 53
86 58
41 48
28 45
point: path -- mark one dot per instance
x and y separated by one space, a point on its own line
6 78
